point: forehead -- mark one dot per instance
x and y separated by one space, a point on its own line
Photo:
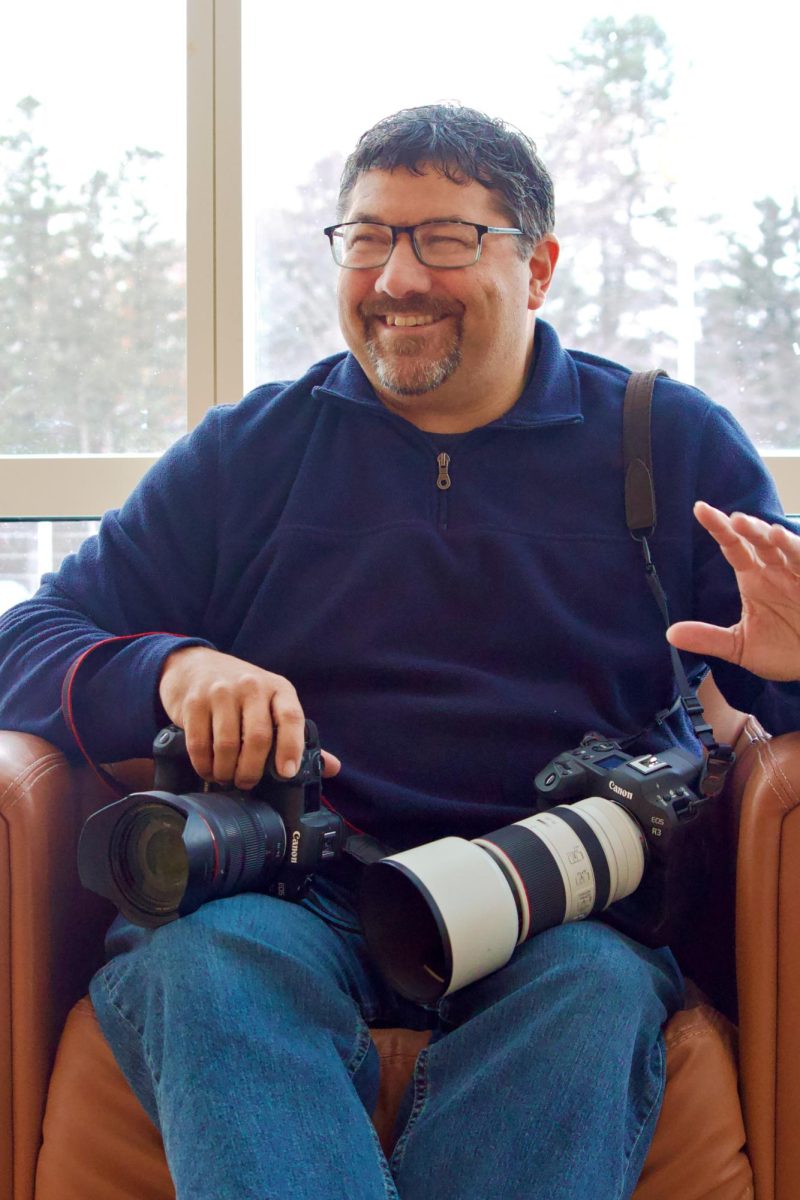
400 197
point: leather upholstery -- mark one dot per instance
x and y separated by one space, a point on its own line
51 941
99 1144
768 966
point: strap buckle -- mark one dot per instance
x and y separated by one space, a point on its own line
718 763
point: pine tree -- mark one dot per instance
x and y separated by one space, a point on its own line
296 322
92 304
749 356
615 283
32 237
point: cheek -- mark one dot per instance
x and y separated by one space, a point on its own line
350 292
497 320
490 308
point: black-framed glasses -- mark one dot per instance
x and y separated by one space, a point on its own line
364 245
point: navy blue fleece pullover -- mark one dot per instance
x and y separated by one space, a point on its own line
447 643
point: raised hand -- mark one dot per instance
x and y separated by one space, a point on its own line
228 709
766 559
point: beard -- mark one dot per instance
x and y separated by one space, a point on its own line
410 370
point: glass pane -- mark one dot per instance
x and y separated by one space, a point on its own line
675 183
29 549
92 227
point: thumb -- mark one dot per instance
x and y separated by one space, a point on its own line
699 638
331 765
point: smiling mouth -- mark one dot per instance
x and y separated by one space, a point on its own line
409 320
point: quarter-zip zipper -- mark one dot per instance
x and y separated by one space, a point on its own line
443 483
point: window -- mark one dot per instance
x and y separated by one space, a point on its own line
678 216
30 549
92 250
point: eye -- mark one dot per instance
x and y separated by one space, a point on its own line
448 239
366 235
447 243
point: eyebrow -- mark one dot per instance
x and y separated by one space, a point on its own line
372 219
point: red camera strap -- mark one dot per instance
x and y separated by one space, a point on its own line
68 703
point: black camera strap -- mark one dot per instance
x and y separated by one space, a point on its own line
640 515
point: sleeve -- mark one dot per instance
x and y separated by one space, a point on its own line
733 478
102 627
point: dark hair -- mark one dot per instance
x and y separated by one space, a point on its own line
463 144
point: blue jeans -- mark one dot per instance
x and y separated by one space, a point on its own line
243 1030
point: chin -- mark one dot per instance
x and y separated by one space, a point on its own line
414 379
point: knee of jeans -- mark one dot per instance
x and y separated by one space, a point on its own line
234 926
598 958
590 958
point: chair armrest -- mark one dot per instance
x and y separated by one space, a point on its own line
768 965
51 934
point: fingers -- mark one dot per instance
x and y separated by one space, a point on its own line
225 728
762 537
788 544
748 541
720 526
196 726
255 741
290 724
228 710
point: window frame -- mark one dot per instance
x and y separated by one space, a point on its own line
79 486
75 486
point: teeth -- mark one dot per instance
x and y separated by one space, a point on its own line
396 319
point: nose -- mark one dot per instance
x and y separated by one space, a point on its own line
403 275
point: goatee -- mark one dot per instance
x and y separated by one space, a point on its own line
415 379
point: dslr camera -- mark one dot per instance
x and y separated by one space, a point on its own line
609 832
160 854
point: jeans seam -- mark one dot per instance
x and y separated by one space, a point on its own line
363 1039
360 1051
388 1182
110 990
420 1085
656 1101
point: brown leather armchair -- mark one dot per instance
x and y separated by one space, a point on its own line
71 1129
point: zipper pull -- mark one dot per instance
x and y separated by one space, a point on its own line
443 479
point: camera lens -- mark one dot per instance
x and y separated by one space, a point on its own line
150 859
159 856
445 914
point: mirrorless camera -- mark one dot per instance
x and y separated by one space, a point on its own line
160 854
610 832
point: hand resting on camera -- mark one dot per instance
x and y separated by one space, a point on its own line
228 709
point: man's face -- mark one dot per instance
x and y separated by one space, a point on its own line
447 349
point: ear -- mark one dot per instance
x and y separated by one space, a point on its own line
542 264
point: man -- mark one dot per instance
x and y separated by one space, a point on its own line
422 546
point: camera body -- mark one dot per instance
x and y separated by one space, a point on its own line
658 792
312 835
656 789
160 854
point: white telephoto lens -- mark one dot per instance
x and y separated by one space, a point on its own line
438 917
446 914
569 862
622 840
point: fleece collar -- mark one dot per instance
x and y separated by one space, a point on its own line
550 397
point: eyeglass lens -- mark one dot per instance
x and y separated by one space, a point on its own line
438 243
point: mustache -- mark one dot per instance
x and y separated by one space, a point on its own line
422 306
